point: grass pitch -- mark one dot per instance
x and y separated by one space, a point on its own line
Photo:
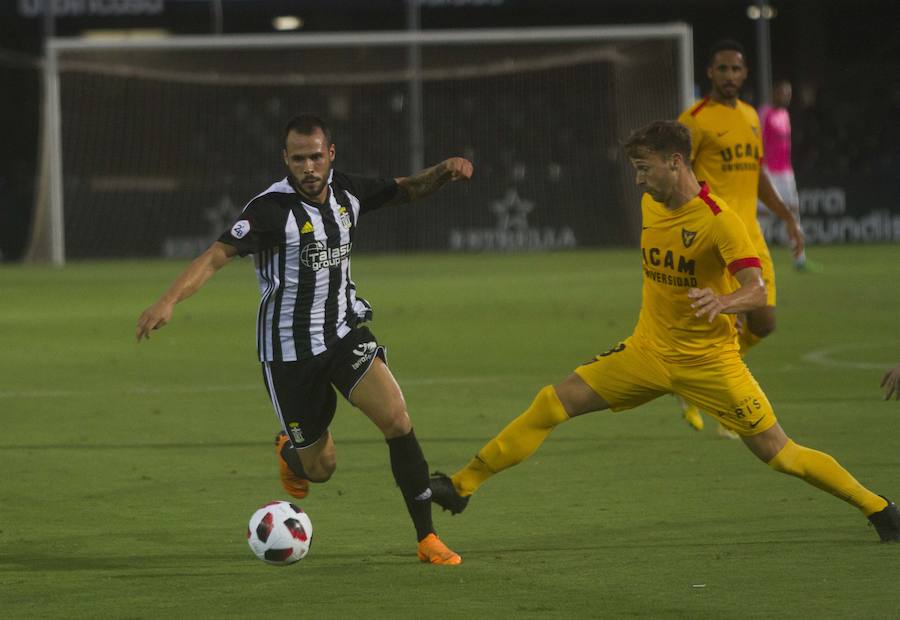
129 471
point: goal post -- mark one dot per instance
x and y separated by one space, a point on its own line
153 144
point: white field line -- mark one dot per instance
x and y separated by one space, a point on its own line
232 387
822 357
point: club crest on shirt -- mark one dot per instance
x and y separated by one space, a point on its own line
240 229
687 237
296 432
345 218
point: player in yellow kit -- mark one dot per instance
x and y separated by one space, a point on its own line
684 343
726 153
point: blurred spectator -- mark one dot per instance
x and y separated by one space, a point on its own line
845 135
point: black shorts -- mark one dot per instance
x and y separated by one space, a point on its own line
303 393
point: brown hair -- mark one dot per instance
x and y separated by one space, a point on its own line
661 137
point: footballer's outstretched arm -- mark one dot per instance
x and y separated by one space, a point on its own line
769 197
431 179
189 282
750 296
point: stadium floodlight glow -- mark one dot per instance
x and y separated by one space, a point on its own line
287 22
755 12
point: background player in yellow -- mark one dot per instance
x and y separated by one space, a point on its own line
726 153
685 341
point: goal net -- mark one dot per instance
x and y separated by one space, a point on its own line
161 143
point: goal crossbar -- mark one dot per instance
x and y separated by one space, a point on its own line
680 33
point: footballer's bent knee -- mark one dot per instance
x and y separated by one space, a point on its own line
396 424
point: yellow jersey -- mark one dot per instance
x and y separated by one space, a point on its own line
726 151
698 245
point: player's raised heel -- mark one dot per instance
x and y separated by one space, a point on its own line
433 551
887 522
444 494
295 485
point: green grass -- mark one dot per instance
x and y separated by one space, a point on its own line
129 471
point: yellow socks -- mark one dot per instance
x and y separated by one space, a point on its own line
514 443
822 471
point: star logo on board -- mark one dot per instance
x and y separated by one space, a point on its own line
687 237
512 211
511 231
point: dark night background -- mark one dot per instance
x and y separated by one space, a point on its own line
842 57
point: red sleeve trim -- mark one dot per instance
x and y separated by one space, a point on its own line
699 107
742 263
704 196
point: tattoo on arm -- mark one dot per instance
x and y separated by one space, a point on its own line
422 183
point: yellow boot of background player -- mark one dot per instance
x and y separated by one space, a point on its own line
691 414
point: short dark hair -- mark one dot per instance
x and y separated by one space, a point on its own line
661 137
306 124
725 45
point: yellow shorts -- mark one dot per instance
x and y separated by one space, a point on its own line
629 375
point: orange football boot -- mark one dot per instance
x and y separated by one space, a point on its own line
295 485
433 551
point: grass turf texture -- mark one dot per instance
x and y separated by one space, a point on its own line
129 471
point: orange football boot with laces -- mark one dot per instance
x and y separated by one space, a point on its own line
433 551
295 485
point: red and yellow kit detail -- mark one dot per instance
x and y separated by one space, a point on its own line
701 244
697 245
726 150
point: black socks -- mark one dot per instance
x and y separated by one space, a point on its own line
289 454
411 473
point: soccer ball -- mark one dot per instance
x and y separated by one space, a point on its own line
280 533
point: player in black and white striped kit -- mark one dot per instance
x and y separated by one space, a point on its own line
310 333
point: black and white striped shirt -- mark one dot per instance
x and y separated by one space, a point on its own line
302 254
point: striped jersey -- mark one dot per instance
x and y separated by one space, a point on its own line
301 250
697 245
